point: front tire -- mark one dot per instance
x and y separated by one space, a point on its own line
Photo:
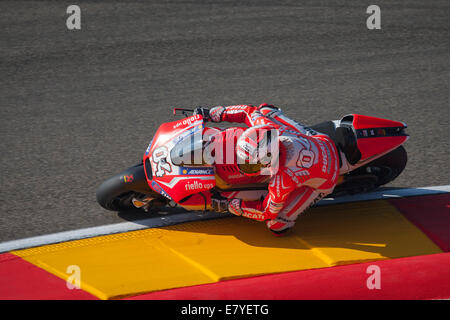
116 193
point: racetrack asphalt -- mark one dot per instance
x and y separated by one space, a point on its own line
79 106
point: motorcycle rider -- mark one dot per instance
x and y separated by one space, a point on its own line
306 167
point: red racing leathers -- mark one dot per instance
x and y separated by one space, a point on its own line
308 167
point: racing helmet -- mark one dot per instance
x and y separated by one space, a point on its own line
257 148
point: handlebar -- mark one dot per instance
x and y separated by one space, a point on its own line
183 111
198 110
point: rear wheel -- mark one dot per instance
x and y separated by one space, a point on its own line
374 174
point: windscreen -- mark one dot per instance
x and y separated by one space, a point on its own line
188 151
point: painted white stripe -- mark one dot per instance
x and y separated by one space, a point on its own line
386 194
162 221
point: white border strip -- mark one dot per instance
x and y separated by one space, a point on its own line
387 194
162 221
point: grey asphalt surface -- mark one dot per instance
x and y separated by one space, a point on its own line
79 106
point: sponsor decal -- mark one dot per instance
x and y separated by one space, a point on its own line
254 216
197 185
197 171
128 179
157 188
236 176
187 121
324 156
159 158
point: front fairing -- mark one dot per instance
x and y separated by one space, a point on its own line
173 179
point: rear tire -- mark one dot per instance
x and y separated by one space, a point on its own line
388 167
374 174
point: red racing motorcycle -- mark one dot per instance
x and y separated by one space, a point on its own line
172 173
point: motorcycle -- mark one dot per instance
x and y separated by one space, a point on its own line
171 173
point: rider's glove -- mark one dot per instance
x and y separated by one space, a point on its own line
215 114
203 112
219 203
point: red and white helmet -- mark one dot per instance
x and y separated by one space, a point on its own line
257 148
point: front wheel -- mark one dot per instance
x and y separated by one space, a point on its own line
116 193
